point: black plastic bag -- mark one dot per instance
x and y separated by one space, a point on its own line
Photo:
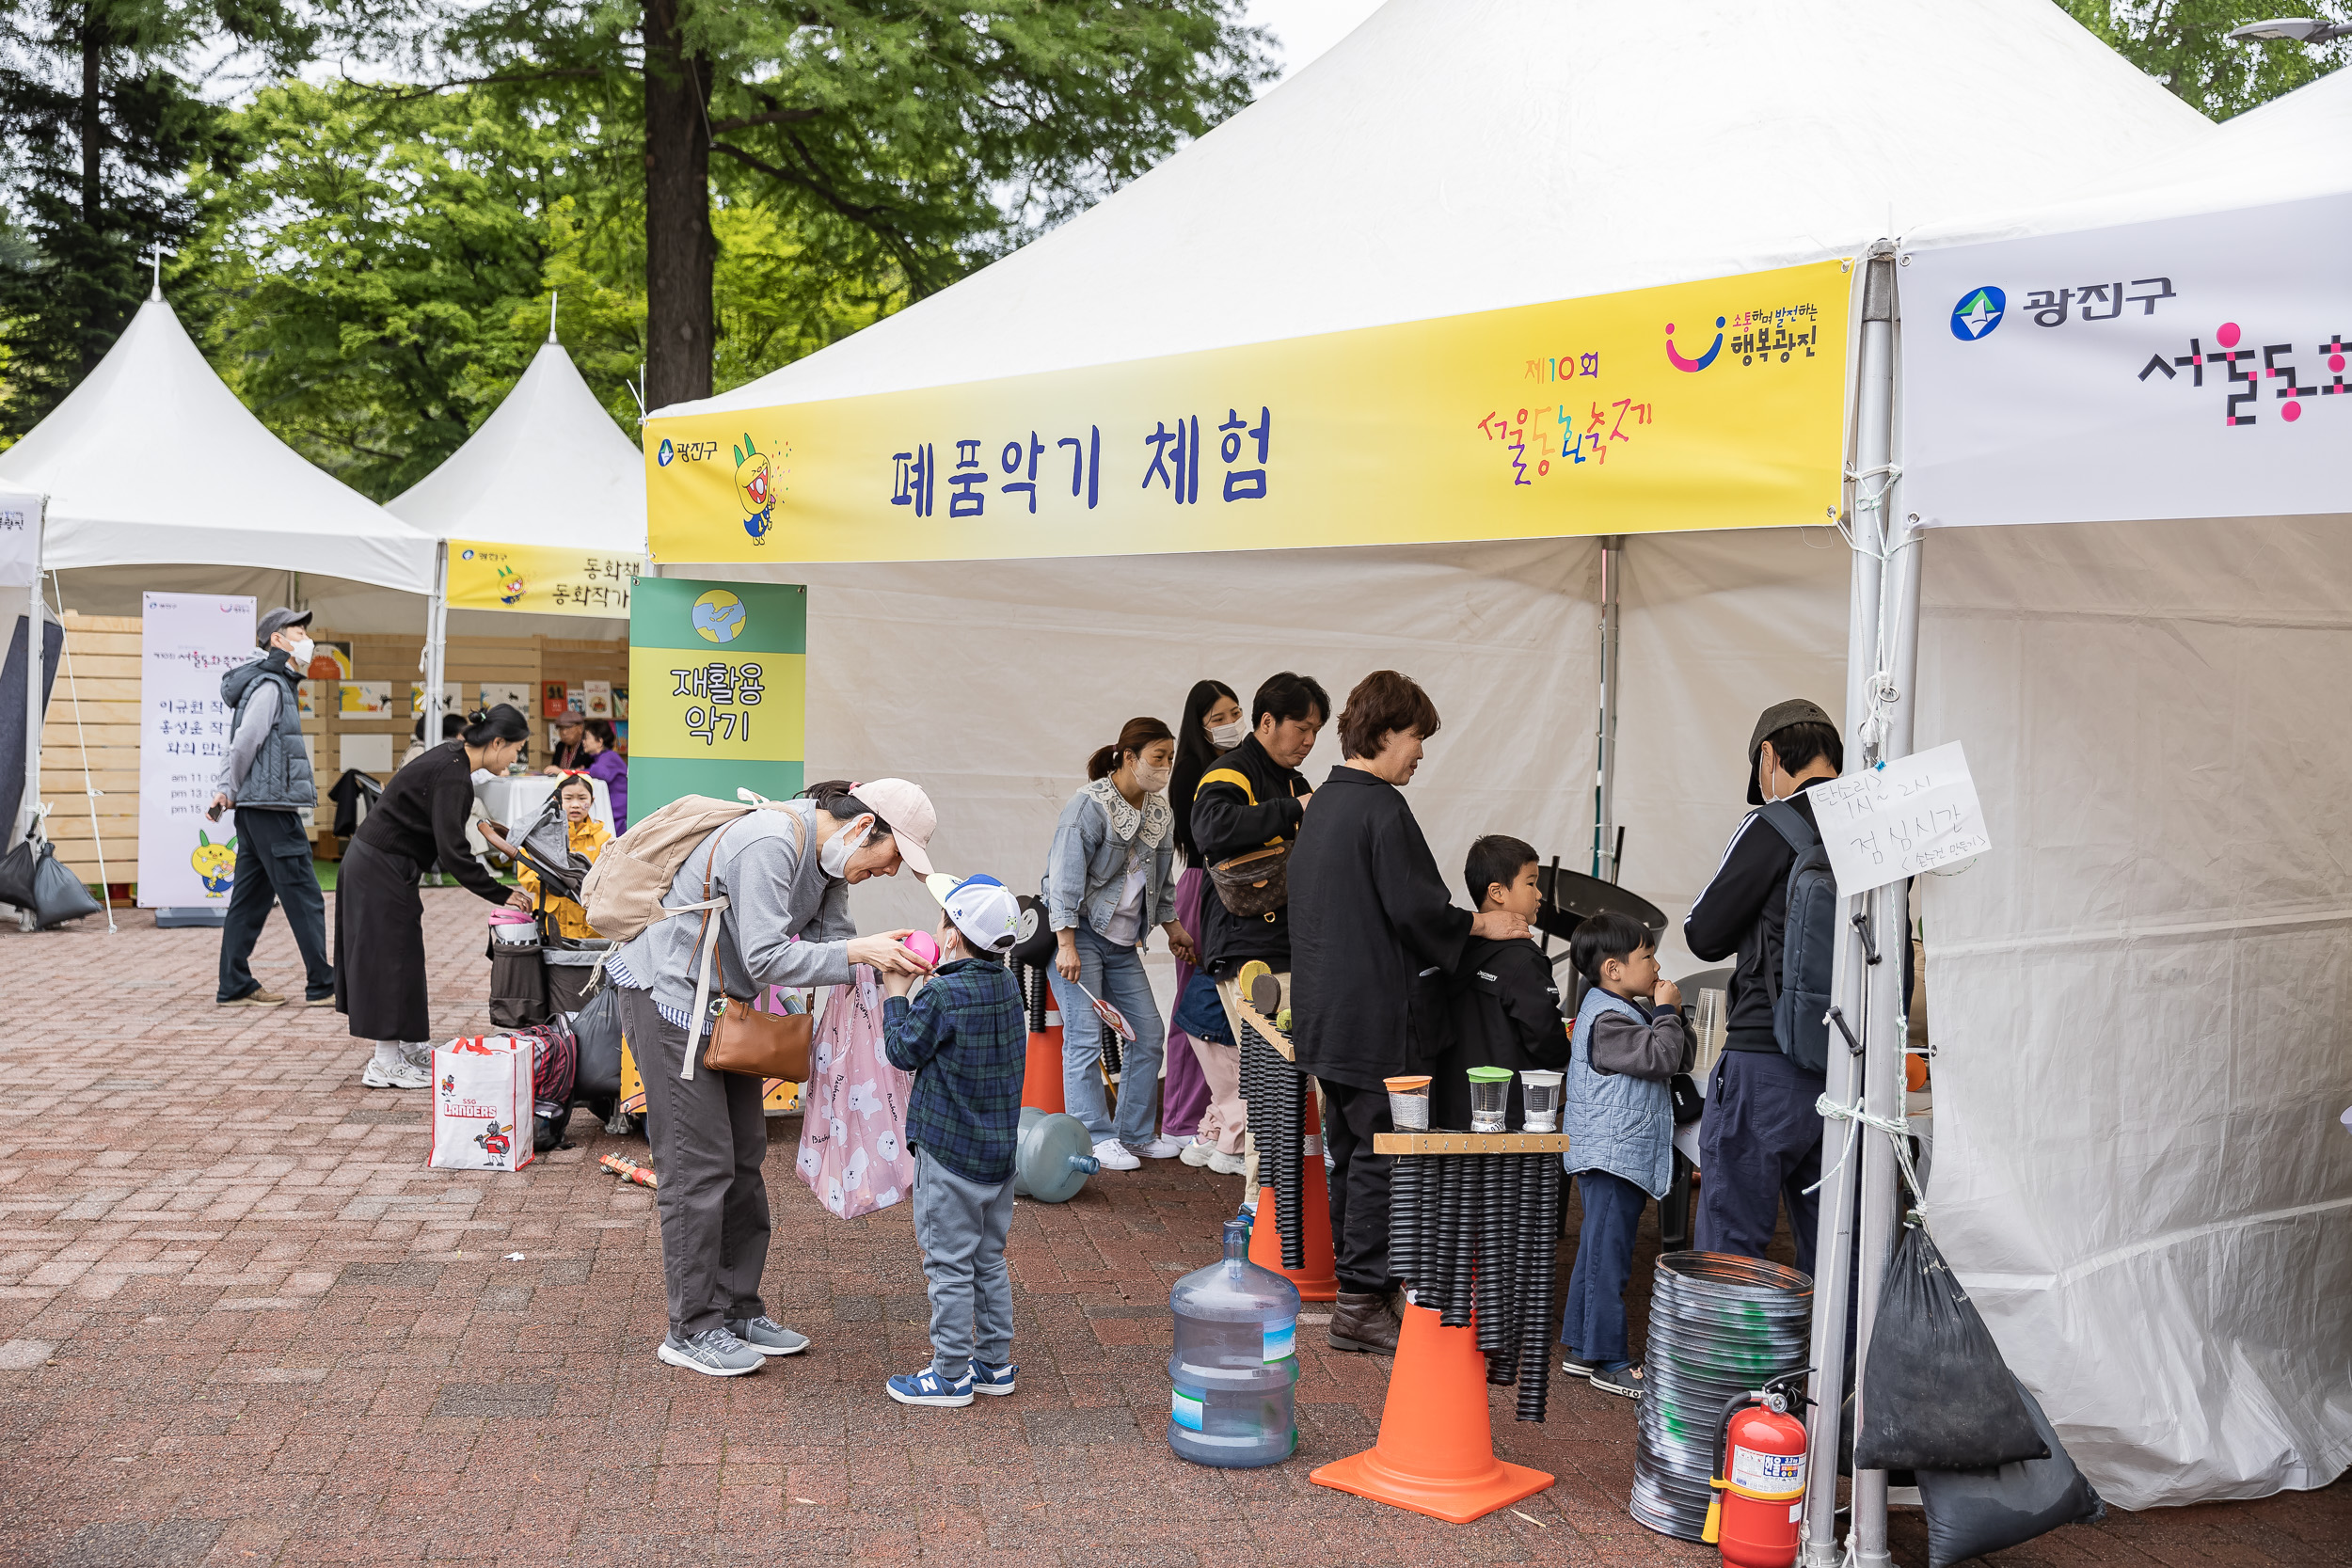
31 879
16 873
1935 1392
598 1027
1971 1513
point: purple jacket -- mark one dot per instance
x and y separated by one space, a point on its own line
612 768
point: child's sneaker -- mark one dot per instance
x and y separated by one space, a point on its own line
991 1380
928 1388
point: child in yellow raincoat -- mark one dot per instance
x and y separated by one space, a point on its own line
587 837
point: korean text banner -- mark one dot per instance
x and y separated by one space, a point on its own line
2186 367
1697 406
717 689
546 579
187 642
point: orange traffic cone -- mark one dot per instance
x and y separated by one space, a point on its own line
1040 1077
1436 1454
1318 1281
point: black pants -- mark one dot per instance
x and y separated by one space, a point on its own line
1760 1143
1360 1185
274 867
709 1136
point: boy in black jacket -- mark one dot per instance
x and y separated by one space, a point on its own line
1505 997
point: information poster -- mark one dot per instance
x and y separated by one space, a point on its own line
717 681
1914 814
186 642
543 579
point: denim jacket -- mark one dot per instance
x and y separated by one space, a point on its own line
1087 868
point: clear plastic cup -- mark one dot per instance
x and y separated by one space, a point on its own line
1490 1098
1543 1100
1408 1103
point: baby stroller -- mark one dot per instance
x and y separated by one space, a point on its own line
540 979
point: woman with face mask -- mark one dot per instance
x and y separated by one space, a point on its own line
1201 1103
379 918
1106 885
786 874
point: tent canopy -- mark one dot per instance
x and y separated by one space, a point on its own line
151 460
1461 155
548 466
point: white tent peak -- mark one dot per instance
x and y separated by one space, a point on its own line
548 466
152 460
1457 155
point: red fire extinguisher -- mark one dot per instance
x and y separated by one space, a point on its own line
1759 1476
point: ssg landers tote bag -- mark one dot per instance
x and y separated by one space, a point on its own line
481 1104
853 1130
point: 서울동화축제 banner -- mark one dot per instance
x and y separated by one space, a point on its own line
187 642
541 580
1694 406
2184 367
717 689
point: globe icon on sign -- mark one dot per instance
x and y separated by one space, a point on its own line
719 616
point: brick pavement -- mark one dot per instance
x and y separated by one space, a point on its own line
239 1323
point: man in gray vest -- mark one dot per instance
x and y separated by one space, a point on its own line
266 778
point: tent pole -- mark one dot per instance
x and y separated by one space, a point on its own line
435 638
1605 740
1834 1247
30 810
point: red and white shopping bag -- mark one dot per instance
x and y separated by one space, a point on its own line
481 1098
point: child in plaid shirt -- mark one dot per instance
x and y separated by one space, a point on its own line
965 1038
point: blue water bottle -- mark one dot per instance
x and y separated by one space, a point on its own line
1237 1361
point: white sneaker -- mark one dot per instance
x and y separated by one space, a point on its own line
405 1076
418 1054
1115 1156
1158 1149
1198 1152
1227 1164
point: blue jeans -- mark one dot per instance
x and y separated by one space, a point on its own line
1115 974
1593 1321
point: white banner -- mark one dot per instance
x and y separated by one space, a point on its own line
2189 367
20 540
186 642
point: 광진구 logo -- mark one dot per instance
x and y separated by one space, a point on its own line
1978 314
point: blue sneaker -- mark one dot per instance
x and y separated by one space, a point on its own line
928 1388
991 1380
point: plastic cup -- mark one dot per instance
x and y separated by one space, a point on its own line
1543 1100
1408 1103
1490 1098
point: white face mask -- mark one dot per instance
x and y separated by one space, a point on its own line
1225 736
301 651
834 859
1151 779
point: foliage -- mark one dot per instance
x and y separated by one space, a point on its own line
103 105
2185 46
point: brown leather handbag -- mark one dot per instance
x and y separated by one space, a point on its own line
741 1037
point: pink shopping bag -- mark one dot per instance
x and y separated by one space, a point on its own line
853 1127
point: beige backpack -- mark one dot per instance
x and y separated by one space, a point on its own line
623 891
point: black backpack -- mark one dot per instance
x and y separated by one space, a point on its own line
1808 944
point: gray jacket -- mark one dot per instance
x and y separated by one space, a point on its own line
1616 1121
266 767
775 891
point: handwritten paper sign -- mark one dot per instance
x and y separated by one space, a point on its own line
1903 817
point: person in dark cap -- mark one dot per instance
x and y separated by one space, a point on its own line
266 780
1760 1139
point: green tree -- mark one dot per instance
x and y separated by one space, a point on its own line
2185 46
102 104
899 143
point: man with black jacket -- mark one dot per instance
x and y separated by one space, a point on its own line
1760 1139
1254 798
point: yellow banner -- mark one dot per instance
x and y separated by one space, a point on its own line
541 580
1697 406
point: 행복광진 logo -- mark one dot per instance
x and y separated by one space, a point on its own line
1978 314
1676 358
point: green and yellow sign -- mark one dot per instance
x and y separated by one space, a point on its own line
717 689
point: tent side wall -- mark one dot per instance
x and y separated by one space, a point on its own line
2141 1000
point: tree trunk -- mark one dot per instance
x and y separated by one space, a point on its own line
680 251
93 134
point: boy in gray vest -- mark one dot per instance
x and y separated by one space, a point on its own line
266 778
1620 1121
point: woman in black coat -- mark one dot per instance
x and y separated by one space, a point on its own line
379 919
1373 938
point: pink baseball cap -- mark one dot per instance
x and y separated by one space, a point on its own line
909 812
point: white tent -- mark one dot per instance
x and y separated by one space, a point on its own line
2140 1000
152 461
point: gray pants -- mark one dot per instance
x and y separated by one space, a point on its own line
708 1137
961 1226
